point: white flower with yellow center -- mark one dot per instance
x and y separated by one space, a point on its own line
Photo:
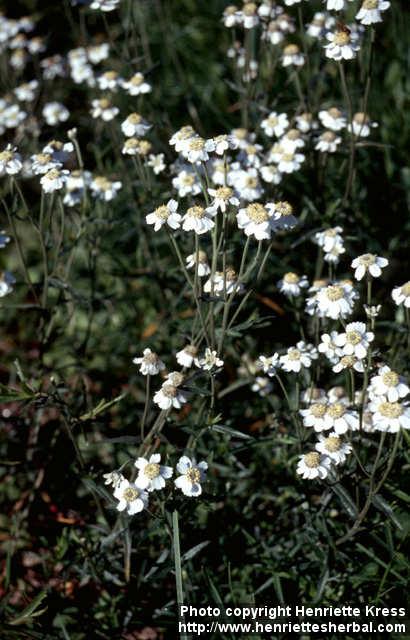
186 182
222 197
292 56
332 119
104 109
328 142
109 81
60 151
370 11
26 92
361 125
203 267
336 300
282 215
335 5
180 138
269 364
333 256
150 363
292 284
54 180
193 474
273 33
43 162
199 219
401 295
340 418
328 346
305 122
291 141
152 474
223 143
131 498
275 124
355 341
333 446
369 264
209 361
187 356
156 162
313 465
55 112
197 149
288 161
113 478
10 161
98 52
271 174
134 125
388 383
343 44
246 183
329 238
165 214
348 362
136 85
169 396
248 17
105 189
298 357
315 416
231 16
262 386
389 416
256 220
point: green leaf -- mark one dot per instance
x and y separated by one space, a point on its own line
31 611
383 506
231 432
346 500
188 555
101 407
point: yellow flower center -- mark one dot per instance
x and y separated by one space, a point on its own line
101 182
293 134
333 443
110 75
334 113
283 208
151 470
370 4
291 50
193 475
6 156
312 459
390 379
249 8
162 212
134 118
224 193
137 79
169 390
336 410
291 278
405 289
196 212
197 144
347 361
390 409
104 103
353 337
53 174
130 494
334 292
328 136
251 182
360 117
188 180
318 410
367 259
341 38
294 354
257 213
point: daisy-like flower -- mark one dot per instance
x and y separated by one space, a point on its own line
222 197
370 264
388 383
287 161
261 385
335 5
370 11
156 162
197 149
26 92
292 284
292 56
223 282
180 138
10 161
315 416
104 109
355 341
283 215
329 238
249 17
348 362
291 141
55 112
304 122
328 142
186 182
333 256
246 183
298 357
271 174
209 361
152 474
361 125
109 81
187 356
332 119
223 143
275 124
54 180
343 44
230 16
150 363
134 125
169 396
389 416
328 346
105 189
131 498
165 214
372 311
193 474
113 478
333 447
256 220
7 280
340 418
42 163
59 151
199 219
269 364
313 465
401 294
136 85
336 300
203 266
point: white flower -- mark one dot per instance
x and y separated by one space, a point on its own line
369 12
335 5
105 189
187 355
256 220
372 311
103 109
342 44
304 122
401 294
221 282
334 255
348 362
54 180
26 92
388 383
130 497
246 183
313 465
329 238
287 161
169 396
136 85
248 17
104 5
181 138
186 182
150 363
156 162
59 151
192 475
262 385
370 264
275 124
336 300
332 119
291 141
271 174
199 219
222 197
292 284
196 149
10 161
165 213
328 142
209 361
298 357
389 416
223 143
315 416
42 163
175 377
152 474
203 266
328 346
355 341
6 283
55 112
333 447
339 417
4 239
269 364
231 16
292 56
361 125
115 478
134 125
283 214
